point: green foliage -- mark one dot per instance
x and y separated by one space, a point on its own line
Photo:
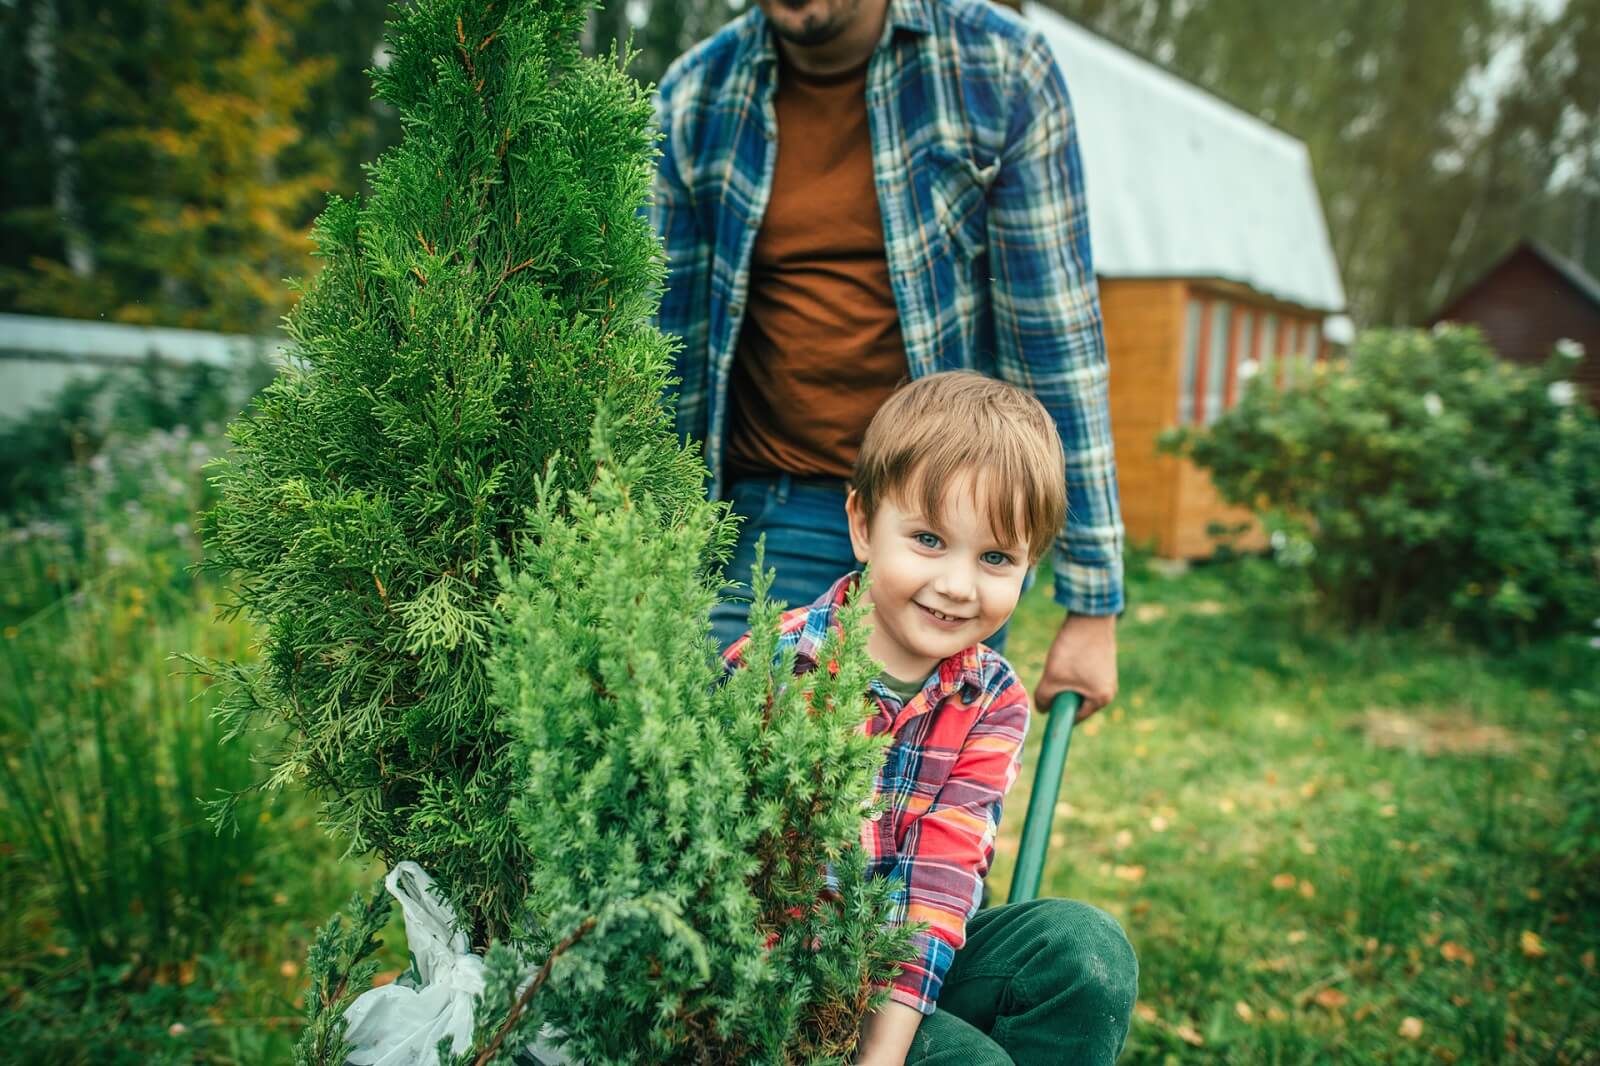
109 753
1429 166
1275 806
173 183
1424 478
341 966
126 924
39 450
644 774
472 316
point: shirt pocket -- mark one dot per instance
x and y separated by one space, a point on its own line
959 190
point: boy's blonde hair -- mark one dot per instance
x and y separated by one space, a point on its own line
936 429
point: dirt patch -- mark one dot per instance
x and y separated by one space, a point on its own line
1435 733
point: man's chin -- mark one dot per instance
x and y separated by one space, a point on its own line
793 23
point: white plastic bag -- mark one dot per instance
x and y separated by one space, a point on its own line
401 1025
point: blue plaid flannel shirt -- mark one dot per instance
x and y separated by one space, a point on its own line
975 156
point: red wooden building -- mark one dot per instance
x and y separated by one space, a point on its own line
1527 302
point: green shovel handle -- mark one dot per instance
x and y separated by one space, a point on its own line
1042 802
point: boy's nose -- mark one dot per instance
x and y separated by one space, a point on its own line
956 582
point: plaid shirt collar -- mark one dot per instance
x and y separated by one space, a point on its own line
963 669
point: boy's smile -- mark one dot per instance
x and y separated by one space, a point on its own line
938 584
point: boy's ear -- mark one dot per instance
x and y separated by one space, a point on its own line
859 542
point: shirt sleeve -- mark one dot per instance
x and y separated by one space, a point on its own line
685 309
1049 337
946 851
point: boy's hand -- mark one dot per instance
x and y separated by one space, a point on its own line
1082 659
886 1035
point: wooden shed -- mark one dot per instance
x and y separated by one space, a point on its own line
1214 262
1529 301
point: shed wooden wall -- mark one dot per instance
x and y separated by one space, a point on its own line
1524 306
1144 334
1168 503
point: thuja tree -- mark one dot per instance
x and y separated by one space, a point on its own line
470 317
467 453
645 776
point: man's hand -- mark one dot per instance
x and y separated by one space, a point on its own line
1082 659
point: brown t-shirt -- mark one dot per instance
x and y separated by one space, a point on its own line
820 349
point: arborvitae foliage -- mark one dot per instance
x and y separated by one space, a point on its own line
472 315
470 452
645 775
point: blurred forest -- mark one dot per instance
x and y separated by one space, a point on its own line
165 159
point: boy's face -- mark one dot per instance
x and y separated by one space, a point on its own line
940 583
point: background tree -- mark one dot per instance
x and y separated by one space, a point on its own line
1440 133
169 157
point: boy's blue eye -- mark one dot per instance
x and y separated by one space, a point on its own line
927 540
997 558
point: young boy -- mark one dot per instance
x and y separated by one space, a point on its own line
958 491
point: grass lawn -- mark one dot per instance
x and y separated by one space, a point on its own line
1326 847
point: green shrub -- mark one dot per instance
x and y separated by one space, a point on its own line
1424 478
39 450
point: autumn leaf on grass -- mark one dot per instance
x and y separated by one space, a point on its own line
1283 882
1242 1009
1189 1035
1532 946
1128 873
1454 952
1411 1028
1331 999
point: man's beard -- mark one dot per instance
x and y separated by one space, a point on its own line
813 31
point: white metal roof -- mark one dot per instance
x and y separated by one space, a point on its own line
1181 184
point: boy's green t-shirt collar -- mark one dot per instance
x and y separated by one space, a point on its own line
903 689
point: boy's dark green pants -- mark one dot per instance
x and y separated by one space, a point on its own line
1050 981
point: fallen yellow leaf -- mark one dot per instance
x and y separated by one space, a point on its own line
1587 958
1128 873
1331 999
1298 936
1242 1009
289 968
1158 824
1307 889
1226 805
1532 946
1454 952
1124 839
1145 1012
1189 1035
1283 882
1276 1013
1411 1028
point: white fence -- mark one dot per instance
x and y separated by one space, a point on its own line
39 355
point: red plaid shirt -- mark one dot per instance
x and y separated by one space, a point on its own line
957 748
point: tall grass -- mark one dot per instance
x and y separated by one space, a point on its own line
129 929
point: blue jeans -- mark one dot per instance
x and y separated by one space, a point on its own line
808 547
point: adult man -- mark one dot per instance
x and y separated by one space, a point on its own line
852 191
856 191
